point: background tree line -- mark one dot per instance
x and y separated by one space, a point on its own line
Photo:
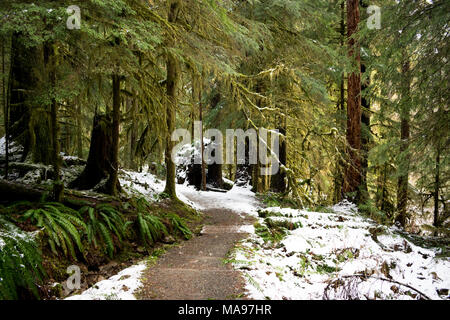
363 114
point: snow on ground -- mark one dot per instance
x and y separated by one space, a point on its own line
147 185
141 183
338 255
122 285
118 287
238 199
12 148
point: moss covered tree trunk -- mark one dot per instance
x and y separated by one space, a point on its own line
437 182
278 181
50 60
404 158
79 131
202 145
113 182
340 116
171 91
5 107
366 138
352 179
29 119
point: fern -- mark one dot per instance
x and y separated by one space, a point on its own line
179 225
20 262
151 228
104 221
61 225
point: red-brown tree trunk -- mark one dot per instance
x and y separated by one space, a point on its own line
353 171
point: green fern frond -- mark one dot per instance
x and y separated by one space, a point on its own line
20 262
62 226
179 225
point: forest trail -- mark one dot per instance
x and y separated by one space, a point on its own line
196 270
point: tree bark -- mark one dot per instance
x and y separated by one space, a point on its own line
436 186
133 134
243 174
51 63
202 144
79 131
365 120
100 155
403 180
278 181
171 91
112 185
365 139
29 123
340 165
10 191
5 109
353 173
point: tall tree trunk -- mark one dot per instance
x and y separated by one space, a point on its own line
100 155
255 168
202 144
133 134
29 122
79 131
5 109
365 120
365 139
353 173
436 186
278 181
112 186
403 167
51 64
171 91
340 165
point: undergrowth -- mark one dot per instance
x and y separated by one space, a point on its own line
71 233
20 262
61 224
104 222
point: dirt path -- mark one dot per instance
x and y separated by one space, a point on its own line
196 270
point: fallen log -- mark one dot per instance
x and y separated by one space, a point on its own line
12 191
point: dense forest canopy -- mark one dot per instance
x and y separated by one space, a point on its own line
152 66
358 91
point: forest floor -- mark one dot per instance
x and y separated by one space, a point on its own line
246 251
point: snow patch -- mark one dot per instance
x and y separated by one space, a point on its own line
118 287
338 255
